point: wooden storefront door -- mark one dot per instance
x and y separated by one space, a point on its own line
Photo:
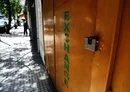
121 74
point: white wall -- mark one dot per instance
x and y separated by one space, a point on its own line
39 25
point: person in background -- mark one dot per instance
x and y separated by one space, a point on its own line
6 27
25 28
18 22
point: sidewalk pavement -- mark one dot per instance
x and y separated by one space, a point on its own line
21 67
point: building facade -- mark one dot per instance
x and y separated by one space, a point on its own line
85 44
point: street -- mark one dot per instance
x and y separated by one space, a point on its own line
21 68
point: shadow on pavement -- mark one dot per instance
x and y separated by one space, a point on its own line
21 68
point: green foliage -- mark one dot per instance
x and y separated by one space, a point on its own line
3 7
10 8
15 7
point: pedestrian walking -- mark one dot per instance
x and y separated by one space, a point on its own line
6 27
25 28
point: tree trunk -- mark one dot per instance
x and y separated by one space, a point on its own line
9 17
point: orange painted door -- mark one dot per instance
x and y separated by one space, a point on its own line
75 20
48 16
107 28
121 75
66 25
79 69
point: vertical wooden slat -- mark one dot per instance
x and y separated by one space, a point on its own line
121 76
107 29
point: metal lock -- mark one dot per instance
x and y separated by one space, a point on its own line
91 43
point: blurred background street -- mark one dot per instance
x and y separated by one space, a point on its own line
21 67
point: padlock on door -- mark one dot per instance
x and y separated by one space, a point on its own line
92 43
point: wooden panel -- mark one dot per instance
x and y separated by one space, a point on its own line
78 69
82 14
59 38
48 15
121 78
106 29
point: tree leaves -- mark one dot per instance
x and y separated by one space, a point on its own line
15 7
10 8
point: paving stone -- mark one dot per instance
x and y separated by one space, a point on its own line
21 66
